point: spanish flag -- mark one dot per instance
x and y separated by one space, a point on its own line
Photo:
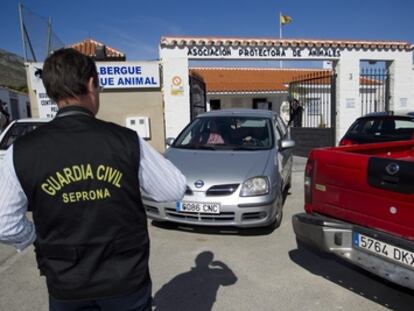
285 19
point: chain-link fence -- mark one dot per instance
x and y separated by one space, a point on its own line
38 37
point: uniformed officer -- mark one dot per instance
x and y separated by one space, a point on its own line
81 178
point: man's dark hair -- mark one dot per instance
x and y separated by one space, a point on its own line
66 73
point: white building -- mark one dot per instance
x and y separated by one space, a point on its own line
346 99
338 94
15 103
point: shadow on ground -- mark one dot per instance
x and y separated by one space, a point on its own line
353 278
222 230
197 288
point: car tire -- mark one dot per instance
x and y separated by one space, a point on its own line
279 213
288 184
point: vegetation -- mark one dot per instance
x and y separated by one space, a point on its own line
12 71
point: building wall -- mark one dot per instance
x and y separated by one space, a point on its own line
31 86
116 106
18 100
176 92
346 62
348 99
246 100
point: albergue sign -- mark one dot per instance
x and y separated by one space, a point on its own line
112 75
129 75
263 52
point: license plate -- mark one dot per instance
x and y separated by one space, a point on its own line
396 254
195 207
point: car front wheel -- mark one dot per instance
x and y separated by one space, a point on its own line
278 214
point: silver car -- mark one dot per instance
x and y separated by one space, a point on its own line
238 163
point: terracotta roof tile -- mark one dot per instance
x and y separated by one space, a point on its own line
214 41
88 47
229 80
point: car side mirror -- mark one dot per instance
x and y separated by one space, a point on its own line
169 141
287 144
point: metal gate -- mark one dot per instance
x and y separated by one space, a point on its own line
374 90
197 96
312 101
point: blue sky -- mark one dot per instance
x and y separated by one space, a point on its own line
135 27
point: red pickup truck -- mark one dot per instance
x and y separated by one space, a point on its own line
359 203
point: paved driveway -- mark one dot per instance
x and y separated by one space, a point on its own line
209 269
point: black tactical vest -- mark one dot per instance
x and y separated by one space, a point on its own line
80 176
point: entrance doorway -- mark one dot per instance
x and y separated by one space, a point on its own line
197 96
176 54
374 88
312 102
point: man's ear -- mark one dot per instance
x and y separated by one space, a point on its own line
90 85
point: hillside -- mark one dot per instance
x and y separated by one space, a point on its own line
12 71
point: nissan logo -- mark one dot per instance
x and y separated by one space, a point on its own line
199 184
392 168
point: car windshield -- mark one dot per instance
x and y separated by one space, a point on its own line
18 129
391 128
227 133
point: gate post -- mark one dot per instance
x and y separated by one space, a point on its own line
333 108
387 90
175 92
401 83
347 93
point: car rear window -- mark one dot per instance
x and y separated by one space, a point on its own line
383 128
17 130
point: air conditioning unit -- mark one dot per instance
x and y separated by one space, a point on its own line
141 125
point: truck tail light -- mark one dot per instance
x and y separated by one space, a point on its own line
309 180
346 142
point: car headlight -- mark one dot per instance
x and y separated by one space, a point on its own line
255 186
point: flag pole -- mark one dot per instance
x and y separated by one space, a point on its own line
280 34
280 25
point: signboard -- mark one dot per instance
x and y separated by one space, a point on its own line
112 75
404 102
350 102
263 52
177 88
47 107
115 75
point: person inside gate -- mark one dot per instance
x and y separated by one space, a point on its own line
296 111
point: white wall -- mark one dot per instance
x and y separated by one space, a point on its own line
246 100
6 96
346 63
348 99
176 91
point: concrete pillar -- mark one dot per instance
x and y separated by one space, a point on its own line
402 83
348 103
176 91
